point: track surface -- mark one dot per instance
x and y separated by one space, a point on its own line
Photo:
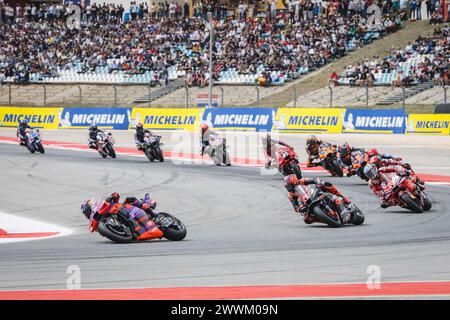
241 228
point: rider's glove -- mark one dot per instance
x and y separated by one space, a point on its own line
347 200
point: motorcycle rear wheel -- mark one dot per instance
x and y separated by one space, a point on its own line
108 232
322 216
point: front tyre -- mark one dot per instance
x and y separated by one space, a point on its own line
159 154
40 147
111 151
337 169
426 203
296 170
172 228
410 203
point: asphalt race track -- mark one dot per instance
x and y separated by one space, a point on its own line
241 228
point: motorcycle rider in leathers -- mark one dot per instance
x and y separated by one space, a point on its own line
140 134
134 210
291 181
93 132
206 135
344 156
269 147
21 131
378 180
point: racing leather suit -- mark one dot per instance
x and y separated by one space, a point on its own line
205 139
346 161
313 153
21 133
139 137
93 138
301 207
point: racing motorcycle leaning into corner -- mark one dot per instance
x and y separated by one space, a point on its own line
396 186
288 161
328 160
134 220
33 141
214 146
321 202
152 147
101 141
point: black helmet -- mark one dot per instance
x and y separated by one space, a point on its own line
93 127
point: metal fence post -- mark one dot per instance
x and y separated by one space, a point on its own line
367 95
295 97
9 94
257 96
186 97
79 95
445 93
115 95
403 96
222 96
149 95
45 95
331 94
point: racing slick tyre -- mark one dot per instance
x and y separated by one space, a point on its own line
358 217
172 228
111 151
40 147
159 153
410 203
119 233
427 203
102 155
296 169
31 148
336 168
149 155
322 216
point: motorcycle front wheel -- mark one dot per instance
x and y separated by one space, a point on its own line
172 228
111 151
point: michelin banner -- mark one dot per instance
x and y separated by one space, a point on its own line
107 118
45 118
239 118
428 124
374 121
312 120
158 118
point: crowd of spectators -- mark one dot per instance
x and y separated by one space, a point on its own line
428 57
37 38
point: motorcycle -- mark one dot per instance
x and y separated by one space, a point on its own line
359 160
116 227
328 208
406 193
152 147
34 141
328 159
105 143
288 162
217 151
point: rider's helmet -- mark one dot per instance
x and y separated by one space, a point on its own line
113 198
139 127
344 149
375 160
86 208
23 123
93 127
204 127
372 152
290 182
371 171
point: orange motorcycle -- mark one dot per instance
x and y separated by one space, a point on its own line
359 160
328 159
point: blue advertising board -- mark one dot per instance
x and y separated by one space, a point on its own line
108 118
374 121
240 118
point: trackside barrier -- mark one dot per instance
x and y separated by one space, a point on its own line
295 120
428 124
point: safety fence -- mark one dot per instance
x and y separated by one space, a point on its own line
292 120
